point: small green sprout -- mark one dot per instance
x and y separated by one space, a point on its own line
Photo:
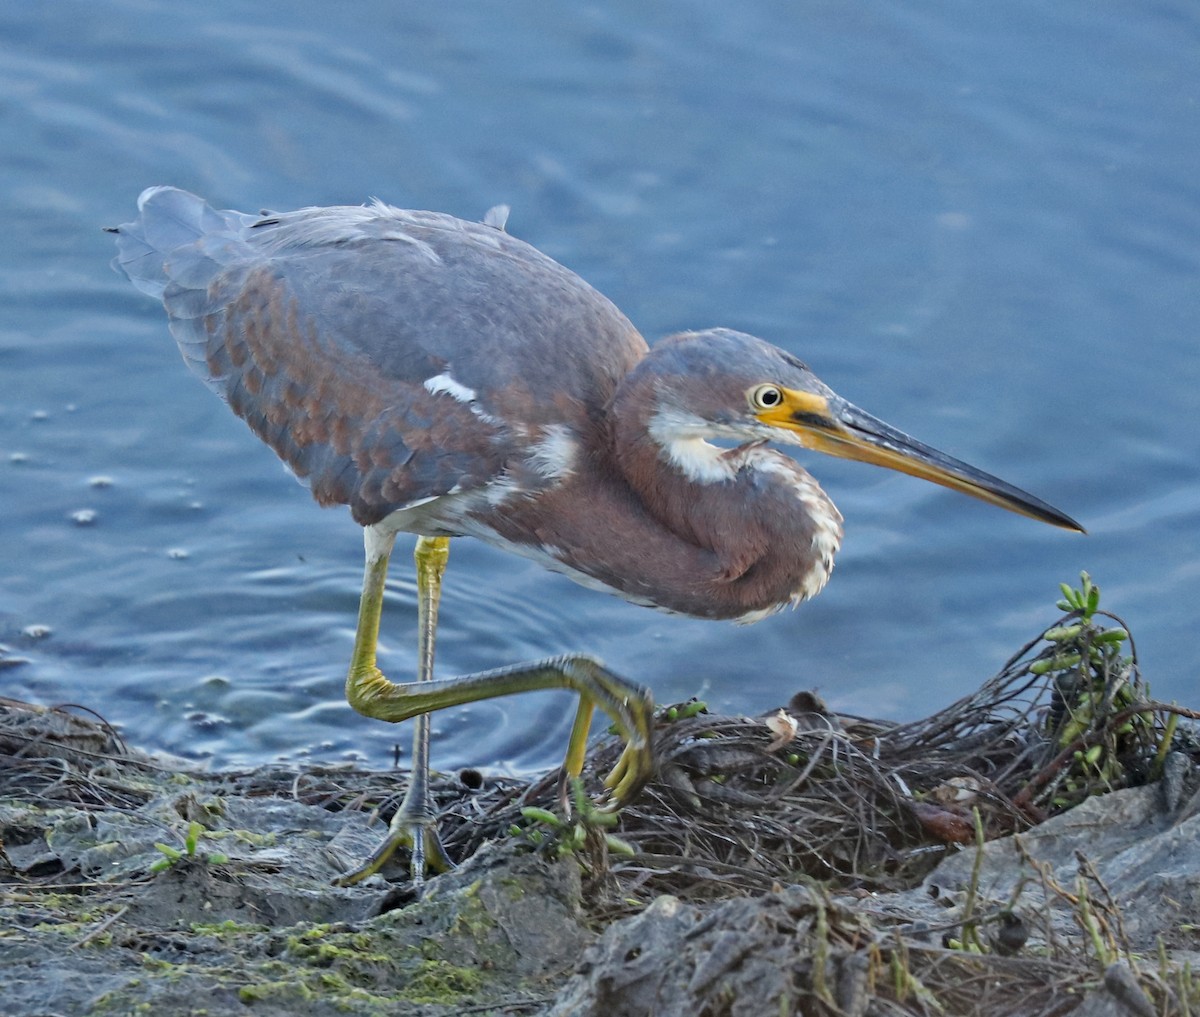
1093 681
1085 599
191 843
569 836
686 711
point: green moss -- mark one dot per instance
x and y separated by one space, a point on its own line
56 927
327 987
325 940
243 837
227 928
438 981
336 963
118 1003
274 990
426 955
473 921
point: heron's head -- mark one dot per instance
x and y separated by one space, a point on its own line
725 385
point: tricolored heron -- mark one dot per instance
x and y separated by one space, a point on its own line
443 378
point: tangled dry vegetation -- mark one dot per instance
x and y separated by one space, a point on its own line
741 804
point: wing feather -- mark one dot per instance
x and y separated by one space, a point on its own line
320 328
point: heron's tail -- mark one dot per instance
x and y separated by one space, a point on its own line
177 250
176 237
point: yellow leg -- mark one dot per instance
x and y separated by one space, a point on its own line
577 743
369 692
415 823
576 752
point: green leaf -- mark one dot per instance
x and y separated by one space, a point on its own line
536 815
618 846
194 832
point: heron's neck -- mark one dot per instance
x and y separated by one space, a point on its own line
764 518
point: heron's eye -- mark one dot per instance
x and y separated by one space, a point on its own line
765 397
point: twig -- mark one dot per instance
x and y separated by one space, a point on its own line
100 929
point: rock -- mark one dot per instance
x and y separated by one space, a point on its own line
1143 855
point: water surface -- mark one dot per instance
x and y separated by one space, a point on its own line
979 224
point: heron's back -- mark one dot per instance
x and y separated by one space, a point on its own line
387 356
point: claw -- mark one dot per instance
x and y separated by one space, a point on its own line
629 776
428 854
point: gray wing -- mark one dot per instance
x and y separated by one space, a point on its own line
386 356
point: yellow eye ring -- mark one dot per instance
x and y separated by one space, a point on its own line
765 397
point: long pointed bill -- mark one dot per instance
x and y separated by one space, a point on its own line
831 425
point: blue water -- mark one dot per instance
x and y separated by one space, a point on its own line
978 222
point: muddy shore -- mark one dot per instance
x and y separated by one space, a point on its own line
130 884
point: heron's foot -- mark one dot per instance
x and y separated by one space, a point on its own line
419 836
629 776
